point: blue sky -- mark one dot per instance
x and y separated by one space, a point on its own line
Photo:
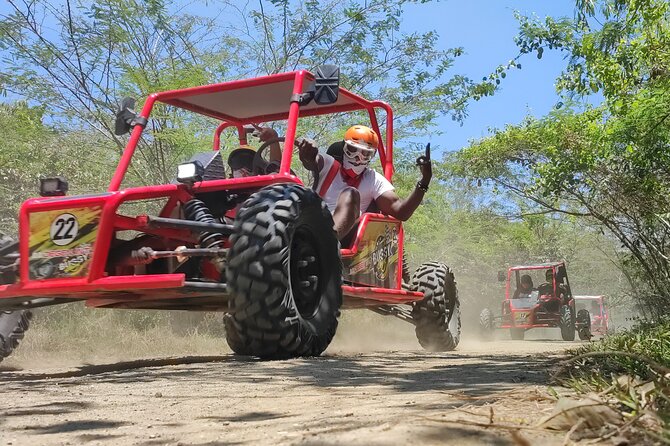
486 30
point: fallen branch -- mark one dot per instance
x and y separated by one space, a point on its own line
116 367
572 430
512 427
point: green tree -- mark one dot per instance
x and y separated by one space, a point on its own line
91 54
30 150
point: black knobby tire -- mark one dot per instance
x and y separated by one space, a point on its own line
486 324
438 315
284 274
567 323
13 326
584 325
7 249
235 341
517 333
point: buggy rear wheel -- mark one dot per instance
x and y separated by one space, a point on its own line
438 315
285 275
13 324
406 274
567 323
486 327
584 325
517 333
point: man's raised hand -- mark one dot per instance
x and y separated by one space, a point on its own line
425 166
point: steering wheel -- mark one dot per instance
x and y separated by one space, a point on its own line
261 166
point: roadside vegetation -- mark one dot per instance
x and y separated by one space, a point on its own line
629 374
605 167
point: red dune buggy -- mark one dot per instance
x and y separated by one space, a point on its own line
599 311
260 248
537 296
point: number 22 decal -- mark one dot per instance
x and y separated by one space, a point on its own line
64 229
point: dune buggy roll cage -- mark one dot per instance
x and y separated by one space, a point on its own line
234 104
554 266
237 103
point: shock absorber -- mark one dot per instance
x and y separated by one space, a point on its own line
196 210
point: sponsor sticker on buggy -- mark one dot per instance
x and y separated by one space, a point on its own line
61 242
376 262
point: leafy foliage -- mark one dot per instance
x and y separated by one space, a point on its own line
91 54
30 150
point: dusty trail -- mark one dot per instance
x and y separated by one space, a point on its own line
390 397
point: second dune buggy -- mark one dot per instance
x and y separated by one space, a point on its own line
537 296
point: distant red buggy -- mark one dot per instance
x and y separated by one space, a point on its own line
537 296
260 248
599 311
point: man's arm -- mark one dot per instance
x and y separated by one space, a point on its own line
390 203
266 134
309 155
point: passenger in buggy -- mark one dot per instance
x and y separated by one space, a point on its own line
349 186
525 287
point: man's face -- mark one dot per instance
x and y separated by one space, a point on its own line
357 156
241 173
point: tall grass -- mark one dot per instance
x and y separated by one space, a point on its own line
73 334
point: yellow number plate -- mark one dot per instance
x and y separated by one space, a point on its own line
521 317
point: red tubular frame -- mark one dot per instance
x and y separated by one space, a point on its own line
554 267
98 285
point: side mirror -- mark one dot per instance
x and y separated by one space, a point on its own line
125 117
502 276
326 84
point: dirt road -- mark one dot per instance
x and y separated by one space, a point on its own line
389 397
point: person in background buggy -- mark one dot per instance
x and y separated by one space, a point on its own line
525 287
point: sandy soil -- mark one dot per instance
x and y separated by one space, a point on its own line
378 397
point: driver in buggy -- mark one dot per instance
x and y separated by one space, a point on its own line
552 303
349 187
241 160
547 288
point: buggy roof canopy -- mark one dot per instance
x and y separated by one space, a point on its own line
261 99
539 266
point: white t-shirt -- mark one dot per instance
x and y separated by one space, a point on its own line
372 185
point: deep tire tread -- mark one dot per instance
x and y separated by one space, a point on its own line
435 329
567 323
13 327
13 324
263 319
486 324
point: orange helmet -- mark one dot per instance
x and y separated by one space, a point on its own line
360 135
